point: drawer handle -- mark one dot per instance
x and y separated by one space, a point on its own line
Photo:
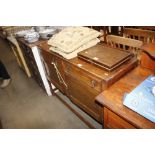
68 69
93 83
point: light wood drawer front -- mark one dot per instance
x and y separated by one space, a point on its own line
85 77
113 121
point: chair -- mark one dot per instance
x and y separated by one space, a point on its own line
146 36
127 44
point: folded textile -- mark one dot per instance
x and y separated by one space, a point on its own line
71 38
89 44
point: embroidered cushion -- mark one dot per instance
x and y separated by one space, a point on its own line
89 44
71 38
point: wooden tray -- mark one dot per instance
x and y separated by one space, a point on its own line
105 57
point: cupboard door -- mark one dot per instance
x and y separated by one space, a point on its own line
55 70
84 96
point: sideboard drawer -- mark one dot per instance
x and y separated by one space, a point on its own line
113 121
84 77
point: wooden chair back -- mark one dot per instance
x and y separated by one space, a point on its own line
147 36
127 44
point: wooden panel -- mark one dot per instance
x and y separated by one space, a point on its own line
84 96
53 74
113 121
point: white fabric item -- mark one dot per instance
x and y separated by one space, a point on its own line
5 83
74 53
71 38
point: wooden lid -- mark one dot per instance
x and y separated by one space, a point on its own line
107 57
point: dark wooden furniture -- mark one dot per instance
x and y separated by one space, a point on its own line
81 81
105 57
30 60
116 115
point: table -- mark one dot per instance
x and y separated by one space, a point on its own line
115 114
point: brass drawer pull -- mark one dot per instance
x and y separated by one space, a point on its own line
68 69
93 83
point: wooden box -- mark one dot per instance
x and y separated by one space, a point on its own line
106 57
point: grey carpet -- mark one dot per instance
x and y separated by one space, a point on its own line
23 104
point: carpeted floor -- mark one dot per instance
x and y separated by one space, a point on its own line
23 104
